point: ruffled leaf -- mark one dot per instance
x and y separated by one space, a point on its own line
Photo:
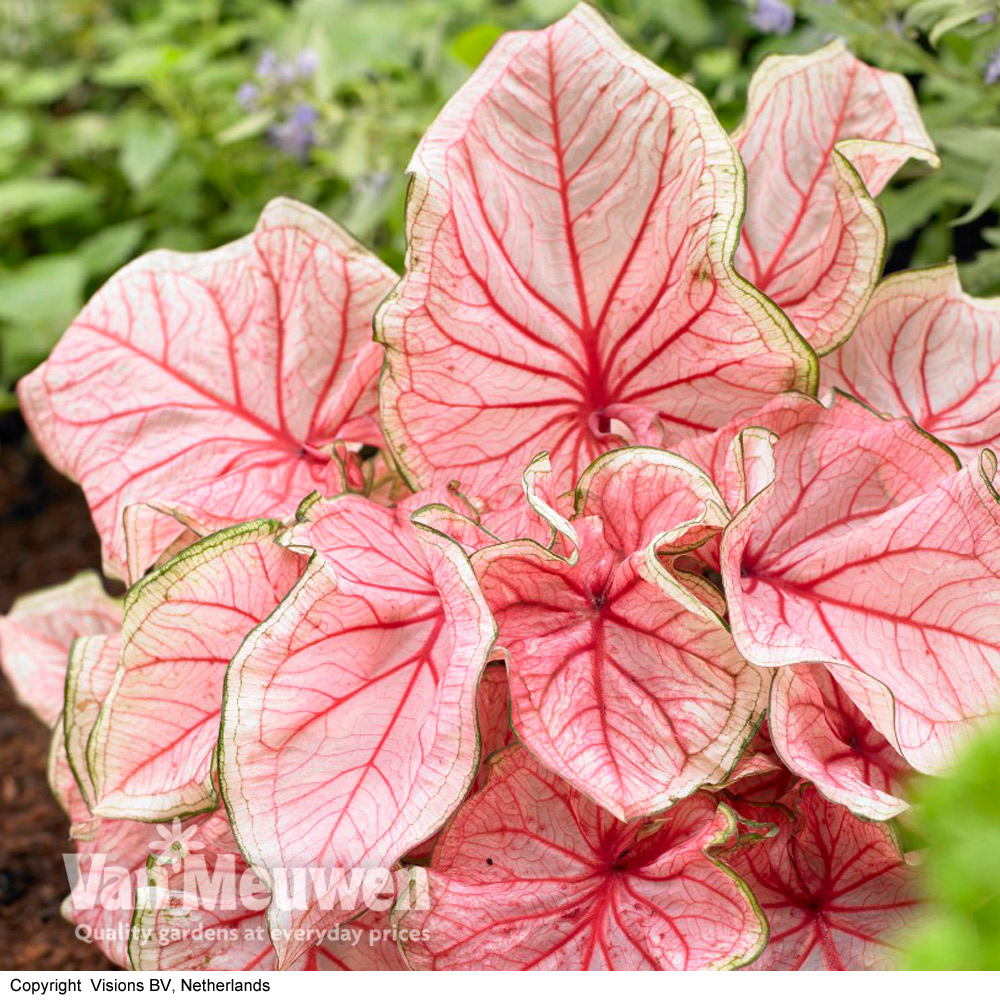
37 632
622 682
530 874
214 383
927 350
151 753
836 890
349 728
572 220
823 134
869 555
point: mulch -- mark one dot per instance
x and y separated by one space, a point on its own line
45 537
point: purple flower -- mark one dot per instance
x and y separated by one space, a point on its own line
772 17
306 63
267 64
248 95
991 71
286 73
987 17
296 134
304 114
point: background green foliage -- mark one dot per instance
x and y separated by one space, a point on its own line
958 821
120 130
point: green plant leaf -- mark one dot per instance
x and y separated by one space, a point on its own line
44 86
473 43
111 247
147 147
45 200
988 195
37 302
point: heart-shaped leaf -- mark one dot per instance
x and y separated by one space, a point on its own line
927 350
572 220
823 134
214 382
531 874
622 682
37 632
349 729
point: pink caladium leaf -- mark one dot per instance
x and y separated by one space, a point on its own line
349 728
151 751
837 891
530 874
214 383
572 220
93 663
493 718
202 911
110 867
205 912
871 554
108 863
823 134
927 350
622 682
823 736
760 776
37 632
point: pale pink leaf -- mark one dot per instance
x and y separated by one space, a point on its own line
106 862
203 911
530 874
760 776
37 632
865 554
216 381
823 134
93 663
572 221
349 728
644 496
617 686
927 350
822 736
152 748
836 890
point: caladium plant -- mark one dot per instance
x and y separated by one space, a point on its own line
585 635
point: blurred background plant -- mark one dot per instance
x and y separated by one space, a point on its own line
957 821
132 124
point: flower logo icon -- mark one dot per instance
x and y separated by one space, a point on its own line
173 843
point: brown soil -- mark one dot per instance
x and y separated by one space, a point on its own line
45 537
